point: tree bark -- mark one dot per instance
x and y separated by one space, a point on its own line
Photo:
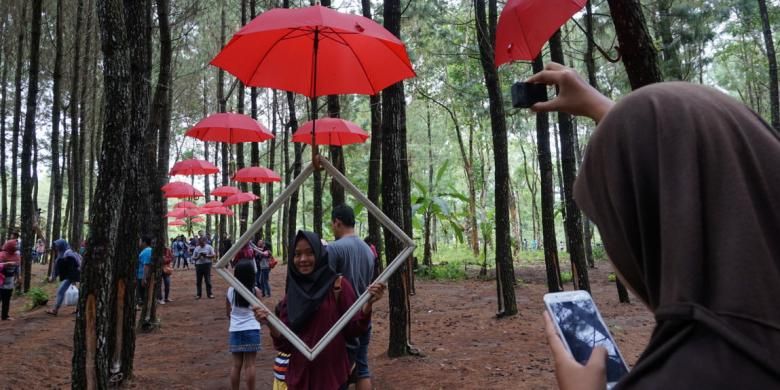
3 173
28 232
17 117
243 214
774 99
76 216
548 202
572 221
505 275
427 255
206 184
222 102
636 45
293 208
91 354
336 155
375 157
316 177
672 67
56 203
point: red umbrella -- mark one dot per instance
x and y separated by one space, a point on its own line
185 205
177 222
525 26
183 213
331 131
180 190
229 127
256 175
193 167
197 219
225 191
213 203
287 48
241 197
221 210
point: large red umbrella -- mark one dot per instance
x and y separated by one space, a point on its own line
229 127
183 213
241 197
213 203
256 175
221 210
185 205
193 167
179 189
287 48
331 131
225 191
525 25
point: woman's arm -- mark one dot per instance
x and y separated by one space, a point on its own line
575 96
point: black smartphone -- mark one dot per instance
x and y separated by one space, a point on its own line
525 95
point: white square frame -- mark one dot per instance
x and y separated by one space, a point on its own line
221 266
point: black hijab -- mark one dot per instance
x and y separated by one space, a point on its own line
684 185
305 293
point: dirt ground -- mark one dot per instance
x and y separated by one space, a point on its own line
463 345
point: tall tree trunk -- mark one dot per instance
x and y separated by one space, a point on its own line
394 201
28 232
672 65
293 208
427 255
77 218
3 173
22 26
336 155
374 158
56 203
636 45
83 130
774 99
91 353
255 152
572 221
222 102
317 177
505 275
243 214
269 188
548 202
206 184
590 65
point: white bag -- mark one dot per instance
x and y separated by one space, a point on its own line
72 296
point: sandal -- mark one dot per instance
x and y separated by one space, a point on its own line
51 313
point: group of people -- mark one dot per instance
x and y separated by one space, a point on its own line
323 282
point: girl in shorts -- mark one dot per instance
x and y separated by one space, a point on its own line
244 328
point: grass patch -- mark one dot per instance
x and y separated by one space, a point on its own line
611 277
38 297
444 271
566 277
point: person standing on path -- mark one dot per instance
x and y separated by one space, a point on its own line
202 255
352 257
67 266
180 253
244 328
9 269
263 257
144 267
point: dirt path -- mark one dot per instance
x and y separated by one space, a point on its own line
464 346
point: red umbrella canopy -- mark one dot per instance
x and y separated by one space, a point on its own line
213 203
230 128
183 213
241 197
331 131
279 49
193 167
225 191
179 189
185 205
197 219
221 210
526 25
256 175
177 222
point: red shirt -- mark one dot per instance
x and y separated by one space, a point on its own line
330 369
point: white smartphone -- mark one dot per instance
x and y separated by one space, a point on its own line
581 328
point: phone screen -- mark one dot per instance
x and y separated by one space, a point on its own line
581 327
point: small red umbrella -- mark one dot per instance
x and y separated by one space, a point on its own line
193 167
177 222
256 175
197 219
180 190
213 203
229 127
225 191
525 25
183 213
221 210
185 205
241 197
331 131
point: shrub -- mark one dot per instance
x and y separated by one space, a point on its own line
38 297
445 271
566 277
611 277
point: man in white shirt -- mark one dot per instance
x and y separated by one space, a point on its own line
202 256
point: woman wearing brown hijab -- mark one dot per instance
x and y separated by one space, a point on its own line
684 184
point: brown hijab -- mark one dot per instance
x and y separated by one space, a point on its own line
684 185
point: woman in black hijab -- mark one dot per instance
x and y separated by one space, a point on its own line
316 298
682 182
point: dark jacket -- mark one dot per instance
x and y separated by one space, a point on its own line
68 268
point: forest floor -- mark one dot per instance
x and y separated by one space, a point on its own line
463 345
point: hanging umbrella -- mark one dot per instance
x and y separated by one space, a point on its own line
256 175
193 167
239 198
180 190
287 48
175 185
525 25
331 131
177 222
225 191
221 210
197 220
183 213
185 205
213 203
229 127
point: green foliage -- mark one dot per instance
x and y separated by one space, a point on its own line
611 277
444 271
566 277
38 297
599 253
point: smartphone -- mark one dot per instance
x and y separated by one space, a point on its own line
581 328
525 95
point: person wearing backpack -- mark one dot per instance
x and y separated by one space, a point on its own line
67 266
9 269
